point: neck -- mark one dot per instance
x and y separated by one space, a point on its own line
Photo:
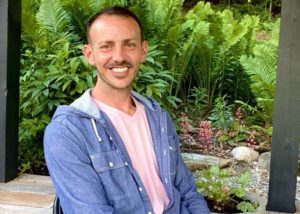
119 99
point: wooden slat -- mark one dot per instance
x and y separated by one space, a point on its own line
26 199
286 135
13 209
10 25
27 194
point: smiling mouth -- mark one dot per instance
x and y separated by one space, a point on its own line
119 69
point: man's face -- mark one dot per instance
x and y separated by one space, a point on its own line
116 49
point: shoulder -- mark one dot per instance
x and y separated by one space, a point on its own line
66 124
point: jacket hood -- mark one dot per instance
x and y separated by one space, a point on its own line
84 106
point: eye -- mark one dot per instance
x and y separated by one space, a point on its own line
130 45
105 47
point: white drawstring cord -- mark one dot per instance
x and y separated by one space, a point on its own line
95 130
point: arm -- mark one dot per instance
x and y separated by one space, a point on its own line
185 183
191 200
77 184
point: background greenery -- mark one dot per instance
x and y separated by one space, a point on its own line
199 56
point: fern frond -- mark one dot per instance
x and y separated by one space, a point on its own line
29 23
52 16
233 30
161 15
79 12
262 71
97 5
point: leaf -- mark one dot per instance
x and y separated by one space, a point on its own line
66 84
46 92
52 16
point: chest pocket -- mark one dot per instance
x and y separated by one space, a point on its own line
114 174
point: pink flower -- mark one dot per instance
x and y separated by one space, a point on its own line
205 134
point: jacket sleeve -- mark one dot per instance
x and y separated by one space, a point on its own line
185 181
77 184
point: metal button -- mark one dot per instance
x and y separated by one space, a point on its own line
140 189
170 147
110 138
111 164
149 212
126 163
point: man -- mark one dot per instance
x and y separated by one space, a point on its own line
112 150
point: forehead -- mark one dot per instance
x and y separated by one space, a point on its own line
114 27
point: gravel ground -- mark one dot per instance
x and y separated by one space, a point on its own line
260 182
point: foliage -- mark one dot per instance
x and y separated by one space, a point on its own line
222 116
264 9
193 57
202 47
261 68
54 71
196 104
214 64
153 80
222 186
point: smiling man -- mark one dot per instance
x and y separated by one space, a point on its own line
113 150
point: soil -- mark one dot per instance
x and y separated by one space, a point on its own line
227 208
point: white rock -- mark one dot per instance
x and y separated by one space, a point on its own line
243 153
264 161
198 161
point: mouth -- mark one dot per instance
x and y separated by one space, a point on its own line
120 69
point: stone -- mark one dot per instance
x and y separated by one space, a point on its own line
264 161
198 161
240 167
243 153
27 194
17 209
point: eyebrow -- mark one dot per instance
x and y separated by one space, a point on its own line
111 41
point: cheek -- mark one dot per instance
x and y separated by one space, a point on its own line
101 60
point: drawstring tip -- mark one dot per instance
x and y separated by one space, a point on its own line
95 130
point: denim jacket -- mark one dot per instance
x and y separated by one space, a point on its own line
92 171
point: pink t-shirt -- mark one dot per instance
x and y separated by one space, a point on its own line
135 133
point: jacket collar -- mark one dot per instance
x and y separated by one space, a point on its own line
86 104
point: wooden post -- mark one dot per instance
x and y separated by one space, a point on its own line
10 29
286 135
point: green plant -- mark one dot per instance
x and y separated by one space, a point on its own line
196 104
261 68
222 116
214 63
195 49
54 71
154 81
223 187
202 47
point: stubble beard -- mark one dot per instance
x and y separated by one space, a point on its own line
111 86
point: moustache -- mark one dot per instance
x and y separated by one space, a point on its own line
118 64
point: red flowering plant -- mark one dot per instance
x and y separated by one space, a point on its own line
187 128
205 136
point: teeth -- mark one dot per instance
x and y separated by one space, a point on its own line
120 70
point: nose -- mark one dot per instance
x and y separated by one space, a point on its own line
118 54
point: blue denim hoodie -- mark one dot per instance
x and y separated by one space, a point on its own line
92 171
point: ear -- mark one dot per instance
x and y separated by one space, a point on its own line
144 50
87 51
